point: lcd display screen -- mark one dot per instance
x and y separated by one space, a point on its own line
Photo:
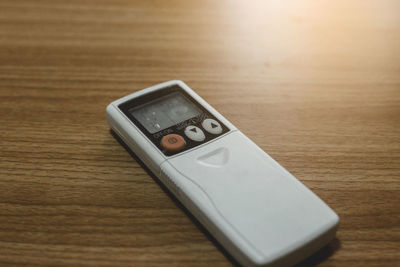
165 112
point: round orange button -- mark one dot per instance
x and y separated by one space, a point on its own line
173 142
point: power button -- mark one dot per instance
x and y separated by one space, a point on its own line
173 142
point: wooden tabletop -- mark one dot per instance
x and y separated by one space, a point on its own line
316 84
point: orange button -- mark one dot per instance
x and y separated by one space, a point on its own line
173 142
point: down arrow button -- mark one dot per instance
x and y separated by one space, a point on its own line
194 133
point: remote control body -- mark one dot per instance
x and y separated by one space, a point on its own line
259 212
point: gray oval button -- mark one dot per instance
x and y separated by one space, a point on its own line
212 126
195 133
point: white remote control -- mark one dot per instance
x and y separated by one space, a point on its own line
258 211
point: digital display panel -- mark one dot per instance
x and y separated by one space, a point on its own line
165 112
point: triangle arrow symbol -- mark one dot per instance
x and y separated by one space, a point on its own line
193 130
213 125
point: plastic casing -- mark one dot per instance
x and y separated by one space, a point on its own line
259 212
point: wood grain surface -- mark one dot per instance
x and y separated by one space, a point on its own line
316 84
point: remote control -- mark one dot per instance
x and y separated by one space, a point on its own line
260 213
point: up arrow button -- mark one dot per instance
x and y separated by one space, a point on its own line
212 126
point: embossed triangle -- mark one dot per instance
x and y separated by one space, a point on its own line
215 158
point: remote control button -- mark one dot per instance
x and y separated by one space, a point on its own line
212 126
195 133
173 142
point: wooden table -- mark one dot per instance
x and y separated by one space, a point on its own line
316 84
